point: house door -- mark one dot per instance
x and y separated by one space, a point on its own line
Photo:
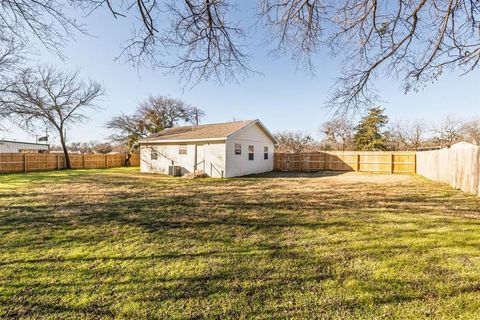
200 157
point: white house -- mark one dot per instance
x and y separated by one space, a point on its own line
228 149
9 146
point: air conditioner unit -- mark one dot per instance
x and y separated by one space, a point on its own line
175 171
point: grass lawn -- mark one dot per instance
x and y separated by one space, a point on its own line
119 244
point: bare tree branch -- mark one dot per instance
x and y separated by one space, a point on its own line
413 40
208 45
44 20
297 25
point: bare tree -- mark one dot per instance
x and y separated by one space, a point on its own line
46 96
472 131
339 133
408 135
103 148
152 116
82 147
448 131
293 142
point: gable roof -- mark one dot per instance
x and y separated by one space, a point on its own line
204 132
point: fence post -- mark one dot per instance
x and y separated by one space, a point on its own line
83 160
358 162
106 160
391 163
58 162
25 163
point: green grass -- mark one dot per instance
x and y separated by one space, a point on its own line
119 244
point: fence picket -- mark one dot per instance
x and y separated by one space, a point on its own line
459 167
23 162
368 161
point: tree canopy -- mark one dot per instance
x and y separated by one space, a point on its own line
152 116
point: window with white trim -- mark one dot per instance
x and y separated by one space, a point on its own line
265 153
153 155
238 148
182 149
251 152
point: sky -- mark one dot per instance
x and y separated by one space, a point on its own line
281 96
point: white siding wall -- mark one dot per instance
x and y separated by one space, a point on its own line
239 165
168 155
214 160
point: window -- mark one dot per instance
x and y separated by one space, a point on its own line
265 153
251 151
238 148
153 155
182 149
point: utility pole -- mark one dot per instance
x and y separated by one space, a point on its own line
196 116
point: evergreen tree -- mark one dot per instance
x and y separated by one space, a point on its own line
369 135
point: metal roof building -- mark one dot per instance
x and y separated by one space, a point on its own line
11 146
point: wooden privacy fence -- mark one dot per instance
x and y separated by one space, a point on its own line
27 162
368 161
457 166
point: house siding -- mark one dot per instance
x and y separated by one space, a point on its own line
168 155
239 165
215 160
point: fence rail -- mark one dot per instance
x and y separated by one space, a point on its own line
368 161
28 162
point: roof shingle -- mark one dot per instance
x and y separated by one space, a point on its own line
203 131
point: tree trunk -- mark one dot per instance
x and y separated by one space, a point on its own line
65 150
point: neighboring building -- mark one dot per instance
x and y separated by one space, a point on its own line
463 145
228 149
9 146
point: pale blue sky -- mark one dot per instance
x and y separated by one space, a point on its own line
282 97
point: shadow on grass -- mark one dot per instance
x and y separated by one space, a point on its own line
288 174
